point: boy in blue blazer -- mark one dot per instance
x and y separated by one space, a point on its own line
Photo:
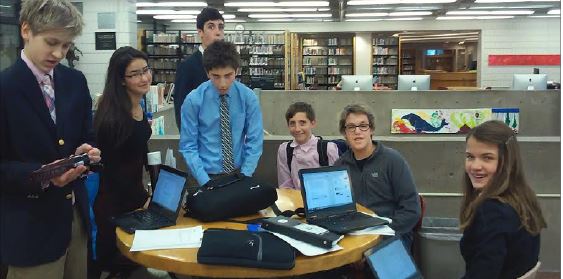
45 115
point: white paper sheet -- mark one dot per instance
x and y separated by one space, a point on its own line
381 230
167 239
306 248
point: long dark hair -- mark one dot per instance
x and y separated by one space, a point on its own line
508 185
113 121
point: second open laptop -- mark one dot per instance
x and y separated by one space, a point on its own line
164 206
329 200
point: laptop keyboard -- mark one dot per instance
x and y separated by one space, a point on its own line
346 222
145 217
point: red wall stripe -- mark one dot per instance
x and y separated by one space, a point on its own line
525 60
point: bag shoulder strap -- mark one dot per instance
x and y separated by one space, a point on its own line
322 147
289 155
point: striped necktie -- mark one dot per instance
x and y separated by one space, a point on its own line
226 137
49 96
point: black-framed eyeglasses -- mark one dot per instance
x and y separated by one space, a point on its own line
350 128
139 74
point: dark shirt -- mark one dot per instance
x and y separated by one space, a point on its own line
121 184
189 75
496 245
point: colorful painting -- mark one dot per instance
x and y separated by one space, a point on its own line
448 121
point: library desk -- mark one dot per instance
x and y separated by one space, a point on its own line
184 261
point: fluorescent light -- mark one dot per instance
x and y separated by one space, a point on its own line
405 18
278 4
276 19
186 16
279 10
292 19
513 1
517 12
364 19
554 12
509 7
366 14
167 12
432 38
386 2
472 17
183 20
172 4
544 16
442 35
288 15
410 13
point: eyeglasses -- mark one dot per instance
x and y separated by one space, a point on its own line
350 128
139 74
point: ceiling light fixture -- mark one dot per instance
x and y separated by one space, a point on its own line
513 1
544 16
364 19
472 17
186 16
288 15
405 18
172 4
278 4
554 12
167 12
411 13
509 7
387 2
366 14
280 10
517 12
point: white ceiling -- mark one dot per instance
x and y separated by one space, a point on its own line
352 10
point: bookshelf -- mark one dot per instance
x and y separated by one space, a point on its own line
385 60
262 53
408 62
325 58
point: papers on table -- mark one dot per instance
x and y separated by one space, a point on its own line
306 248
381 230
167 239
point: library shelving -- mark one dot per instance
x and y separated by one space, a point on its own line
385 60
262 54
325 57
407 62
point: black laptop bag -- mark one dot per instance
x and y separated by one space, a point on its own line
245 248
229 196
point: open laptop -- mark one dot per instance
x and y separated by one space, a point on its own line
329 201
164 206
390 260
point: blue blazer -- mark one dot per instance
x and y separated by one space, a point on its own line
35 225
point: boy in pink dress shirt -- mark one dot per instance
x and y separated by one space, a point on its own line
300 119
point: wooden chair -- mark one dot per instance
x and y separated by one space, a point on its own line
531 274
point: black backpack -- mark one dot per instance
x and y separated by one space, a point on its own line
321 149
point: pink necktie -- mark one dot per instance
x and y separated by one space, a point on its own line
49 95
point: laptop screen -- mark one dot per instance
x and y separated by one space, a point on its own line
168 190
391 260
327 189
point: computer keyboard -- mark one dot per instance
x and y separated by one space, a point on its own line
145 217
348 222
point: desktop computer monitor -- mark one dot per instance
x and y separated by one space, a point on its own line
529 82
414 82
357 83
262 82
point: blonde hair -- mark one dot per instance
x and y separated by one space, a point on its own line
508 185
45 15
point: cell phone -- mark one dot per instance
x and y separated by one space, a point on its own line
51 171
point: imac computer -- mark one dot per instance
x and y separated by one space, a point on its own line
414 82
529 82
357 82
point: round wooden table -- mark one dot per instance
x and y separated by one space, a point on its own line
184 261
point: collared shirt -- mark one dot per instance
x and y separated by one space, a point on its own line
304 156
39 75
201 49
200 136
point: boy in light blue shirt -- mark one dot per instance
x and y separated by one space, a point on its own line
221 129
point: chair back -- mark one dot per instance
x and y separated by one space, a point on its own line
422 211
531 274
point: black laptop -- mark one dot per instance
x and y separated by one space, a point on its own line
390 260
329 201
164 206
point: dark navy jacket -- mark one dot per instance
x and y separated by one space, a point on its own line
496 245
35 225
189 75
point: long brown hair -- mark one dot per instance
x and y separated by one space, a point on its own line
508 185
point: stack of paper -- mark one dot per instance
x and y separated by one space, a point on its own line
167 239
